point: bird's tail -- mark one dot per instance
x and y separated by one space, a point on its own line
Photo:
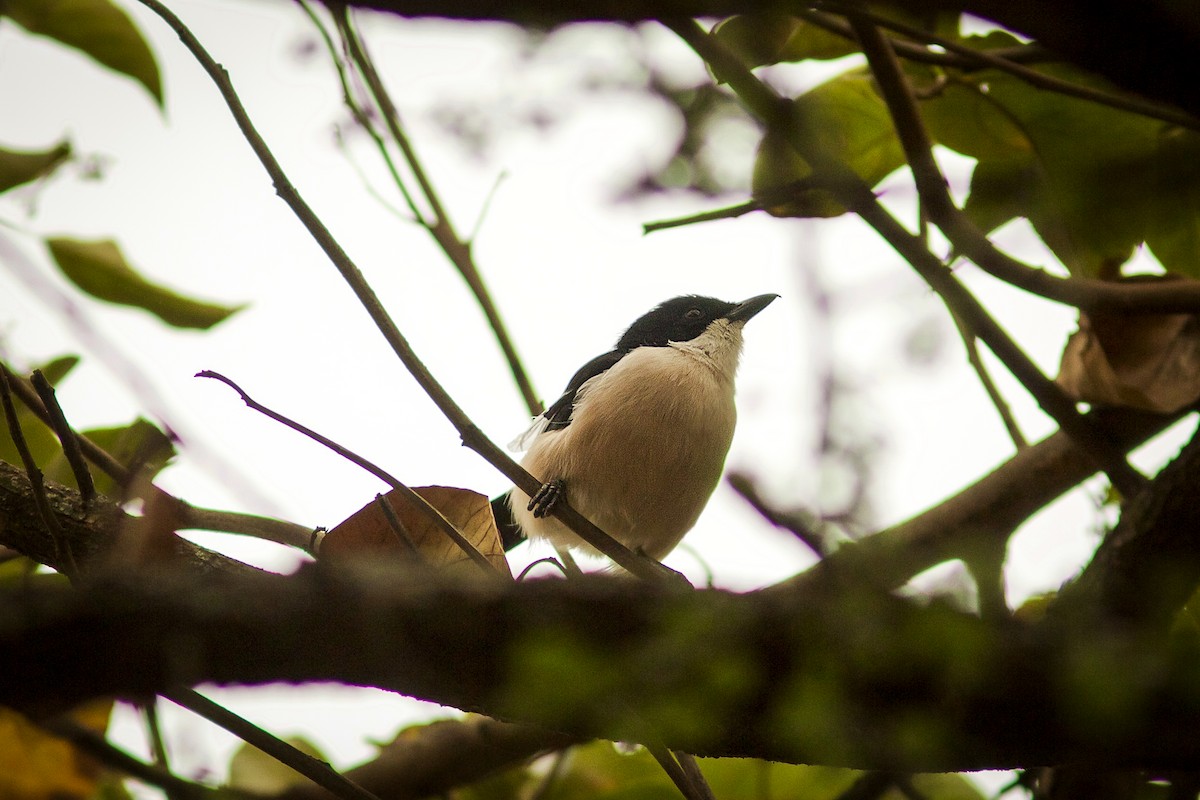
511 534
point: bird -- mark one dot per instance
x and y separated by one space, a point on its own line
637 441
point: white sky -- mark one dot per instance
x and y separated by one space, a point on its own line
569 269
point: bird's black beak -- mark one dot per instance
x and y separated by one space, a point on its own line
748 308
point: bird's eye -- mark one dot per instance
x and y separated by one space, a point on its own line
693 313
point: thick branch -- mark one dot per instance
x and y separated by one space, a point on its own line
1134 43
988 511
844 678
89 533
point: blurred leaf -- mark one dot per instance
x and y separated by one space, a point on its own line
37 766
98 28
139 444
748 778
100 269
18 167
369 531
1173 232
845 119
810 41
42 443
1146 361
139 441
940 787
1095 182
22 572
757 38
251 770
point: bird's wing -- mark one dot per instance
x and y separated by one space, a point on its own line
558 415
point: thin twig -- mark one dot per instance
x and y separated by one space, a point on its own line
193 517
993 392
434 515
730 212
93 452
397 527
36 480
66 437
691 769
791 522
666 760
106 753
1018 54
266 528
470 433
319 772
360 114
852 192
1144 297
440 227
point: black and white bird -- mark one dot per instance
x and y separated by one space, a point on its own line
638 440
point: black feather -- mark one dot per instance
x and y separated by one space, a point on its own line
511 534
559 412
680 319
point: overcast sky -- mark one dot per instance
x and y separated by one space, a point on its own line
569 268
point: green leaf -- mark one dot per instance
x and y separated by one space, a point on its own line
1082 173
757 39
18 167
253 771
845 119
41 441
100 269
98 28
1173 228
140 444
809 41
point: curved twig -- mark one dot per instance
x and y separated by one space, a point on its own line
436 516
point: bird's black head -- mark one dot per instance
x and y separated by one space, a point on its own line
682 319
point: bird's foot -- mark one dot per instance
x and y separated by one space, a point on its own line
547 497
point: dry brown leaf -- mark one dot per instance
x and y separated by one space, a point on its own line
1146 361
368 532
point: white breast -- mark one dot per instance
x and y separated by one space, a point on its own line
646 445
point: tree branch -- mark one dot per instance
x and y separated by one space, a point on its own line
1089 294
838 679
990 510
765 103
89 531
1134 43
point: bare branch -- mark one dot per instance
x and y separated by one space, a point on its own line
66 436
89 531
434 515
319 772
440 227
998 60
650 663
62 548
991 509
108 754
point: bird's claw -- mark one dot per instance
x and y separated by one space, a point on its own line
547 497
